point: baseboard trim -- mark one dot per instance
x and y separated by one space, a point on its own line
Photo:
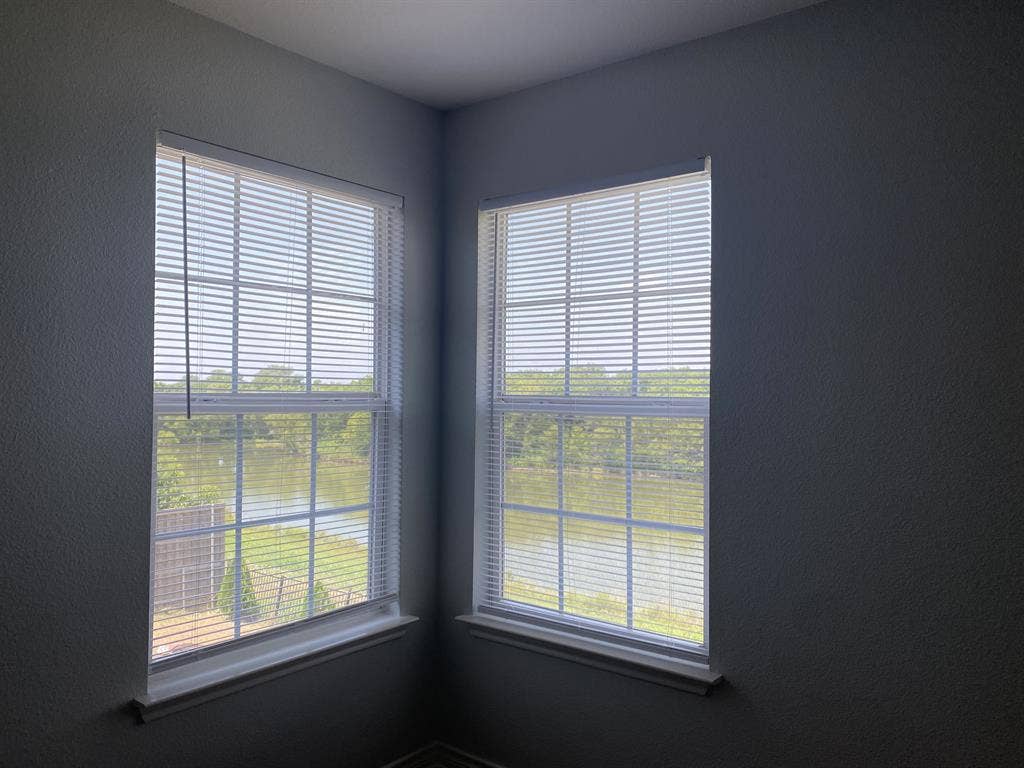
440 755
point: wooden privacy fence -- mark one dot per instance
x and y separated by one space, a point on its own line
188 570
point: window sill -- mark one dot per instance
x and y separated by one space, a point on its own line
234 670
643 665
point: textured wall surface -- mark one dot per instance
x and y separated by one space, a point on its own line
84 86
867 540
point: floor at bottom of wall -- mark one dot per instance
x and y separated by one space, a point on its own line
438 755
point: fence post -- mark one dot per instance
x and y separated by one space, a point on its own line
280 593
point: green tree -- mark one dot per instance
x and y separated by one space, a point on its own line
290 431
173 491
274 378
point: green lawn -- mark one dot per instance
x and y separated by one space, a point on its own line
664 563
684 625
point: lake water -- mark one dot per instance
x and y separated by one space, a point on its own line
277 482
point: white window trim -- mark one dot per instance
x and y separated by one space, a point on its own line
179 683
679 664
659 668
267 658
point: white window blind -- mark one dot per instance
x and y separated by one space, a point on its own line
275 485
594 384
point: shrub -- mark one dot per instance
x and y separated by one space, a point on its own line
250 609
321 598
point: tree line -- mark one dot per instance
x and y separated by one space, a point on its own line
530 440
659 444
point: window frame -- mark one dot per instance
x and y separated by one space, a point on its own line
379 614
522 620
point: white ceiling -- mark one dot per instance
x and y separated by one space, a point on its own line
449 53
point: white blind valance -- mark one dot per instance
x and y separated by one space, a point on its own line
594 386
276 406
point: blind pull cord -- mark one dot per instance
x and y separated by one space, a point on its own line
184 261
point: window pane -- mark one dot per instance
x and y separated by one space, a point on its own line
190 608
343 459
668 583
195 490
602 246
595 570
343 239
668 470
535 248
342 353
210 220
531 459
271 341
601 348
273 587
341 560
530 553
535 349
272 234
277 450
210 336
195 469
196 597
595 478
673 352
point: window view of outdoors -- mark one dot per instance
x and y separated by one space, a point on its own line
265 498
600 403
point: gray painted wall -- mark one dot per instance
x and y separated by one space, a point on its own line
84 86
867 545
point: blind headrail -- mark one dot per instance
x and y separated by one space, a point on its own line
697 165
259 164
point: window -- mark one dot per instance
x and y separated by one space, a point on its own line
277 381
594 384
